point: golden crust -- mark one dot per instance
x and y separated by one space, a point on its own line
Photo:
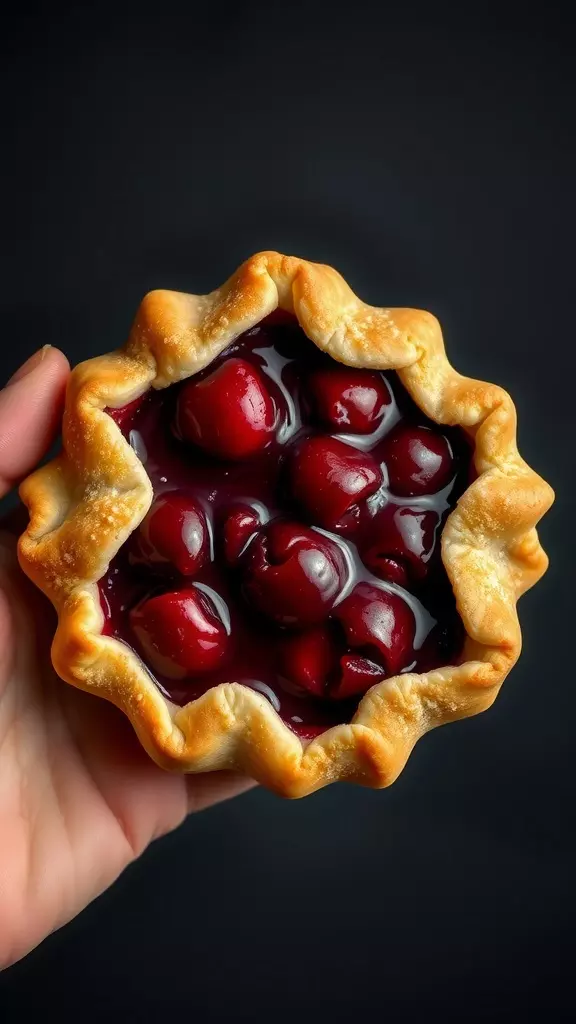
84 504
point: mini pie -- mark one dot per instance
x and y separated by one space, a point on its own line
284 535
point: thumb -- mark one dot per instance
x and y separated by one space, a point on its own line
31 407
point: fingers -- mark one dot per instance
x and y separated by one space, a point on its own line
31 407
212 788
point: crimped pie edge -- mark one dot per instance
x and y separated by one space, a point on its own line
85 503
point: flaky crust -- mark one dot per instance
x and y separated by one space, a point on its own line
85 503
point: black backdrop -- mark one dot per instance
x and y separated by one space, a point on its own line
433 163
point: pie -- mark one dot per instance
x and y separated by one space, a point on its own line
284 535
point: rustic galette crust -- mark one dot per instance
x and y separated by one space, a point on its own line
85 503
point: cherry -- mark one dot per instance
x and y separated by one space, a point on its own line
229 413
175 533
402 542
329 479
181 632
293 574
241 523
308 659
357 674
419 460
352 401
386 568
376 620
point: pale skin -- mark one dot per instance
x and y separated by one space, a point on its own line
79 798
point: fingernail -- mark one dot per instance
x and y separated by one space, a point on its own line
29 365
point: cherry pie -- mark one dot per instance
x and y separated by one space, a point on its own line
284 535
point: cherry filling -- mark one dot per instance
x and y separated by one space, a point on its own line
293 541
292 574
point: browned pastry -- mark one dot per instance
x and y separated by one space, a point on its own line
341 590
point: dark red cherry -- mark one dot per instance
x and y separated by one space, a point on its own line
357 674
229 413
351 401
419 460
241 523
181 633
393 570
293 574
308 659
402 541
376 620
173 533
329 478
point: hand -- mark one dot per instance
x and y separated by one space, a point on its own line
79 798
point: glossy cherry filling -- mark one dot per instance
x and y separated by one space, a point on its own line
293 544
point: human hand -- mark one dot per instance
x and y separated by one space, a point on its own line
79 797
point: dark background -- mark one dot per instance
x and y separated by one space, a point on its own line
432 161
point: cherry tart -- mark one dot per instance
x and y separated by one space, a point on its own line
283 535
